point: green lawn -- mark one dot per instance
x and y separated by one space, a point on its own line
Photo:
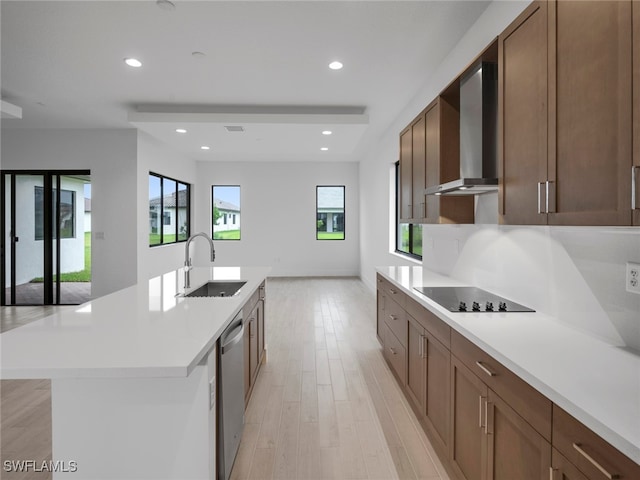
82 275
330 235
227 235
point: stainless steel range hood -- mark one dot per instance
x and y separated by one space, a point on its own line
478 135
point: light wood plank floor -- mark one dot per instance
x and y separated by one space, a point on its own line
325 404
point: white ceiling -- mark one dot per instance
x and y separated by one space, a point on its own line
265 68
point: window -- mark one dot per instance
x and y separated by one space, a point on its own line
225 211
408 235
67 226
169 210
330 212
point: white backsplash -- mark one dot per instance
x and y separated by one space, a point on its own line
576 274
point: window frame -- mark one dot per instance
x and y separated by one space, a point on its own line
226 218
344 212
411 226
39 235
161 211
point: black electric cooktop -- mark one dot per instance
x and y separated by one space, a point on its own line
470 299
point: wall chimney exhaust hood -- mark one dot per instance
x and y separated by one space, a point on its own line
478 134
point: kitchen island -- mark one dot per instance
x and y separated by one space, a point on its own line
595 382
132 376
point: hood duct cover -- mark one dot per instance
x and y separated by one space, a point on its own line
478 134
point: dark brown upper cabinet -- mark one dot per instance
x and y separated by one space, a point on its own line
565 123
430 155
635 6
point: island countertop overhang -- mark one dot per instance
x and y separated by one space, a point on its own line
148 330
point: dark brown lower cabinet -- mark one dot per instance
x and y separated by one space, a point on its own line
438 395
468 448
490 440
515 449
563 469
253 315
416 364
380 299
428 372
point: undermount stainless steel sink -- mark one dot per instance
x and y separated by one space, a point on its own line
217 289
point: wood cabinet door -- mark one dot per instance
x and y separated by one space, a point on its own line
468 447
590 130
432 160
246 339
253 343
563 469
418 159
515 449
406 176
635 6
261 331
416 363
522 129
437 399
380 315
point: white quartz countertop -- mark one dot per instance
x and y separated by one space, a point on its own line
141 331
597 383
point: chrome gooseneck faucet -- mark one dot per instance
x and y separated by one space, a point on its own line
187 259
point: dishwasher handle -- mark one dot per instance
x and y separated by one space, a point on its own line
233 337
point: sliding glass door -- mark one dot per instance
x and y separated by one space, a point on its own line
46 238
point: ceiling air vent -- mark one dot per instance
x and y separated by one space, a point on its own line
234 128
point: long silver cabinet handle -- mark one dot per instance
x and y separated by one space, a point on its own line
540 195
485 369
604 471
550 191
480 399
635 188
552 473
486 417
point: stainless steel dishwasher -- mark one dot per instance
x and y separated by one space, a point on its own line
230 395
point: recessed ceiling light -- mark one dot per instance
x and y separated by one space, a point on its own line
180 130
133 62
165 4
335 65
204 147
198 55
324 149
327 132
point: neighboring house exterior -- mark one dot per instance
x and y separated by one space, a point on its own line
330 209
29 228
229 216
175 211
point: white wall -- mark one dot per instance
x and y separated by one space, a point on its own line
156 157
278 202
573 273
376 188
111 157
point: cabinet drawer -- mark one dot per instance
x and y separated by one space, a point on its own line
391 291
530 404
396 355
396 319
589 452
429 321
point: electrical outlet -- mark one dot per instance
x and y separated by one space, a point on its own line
633 277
